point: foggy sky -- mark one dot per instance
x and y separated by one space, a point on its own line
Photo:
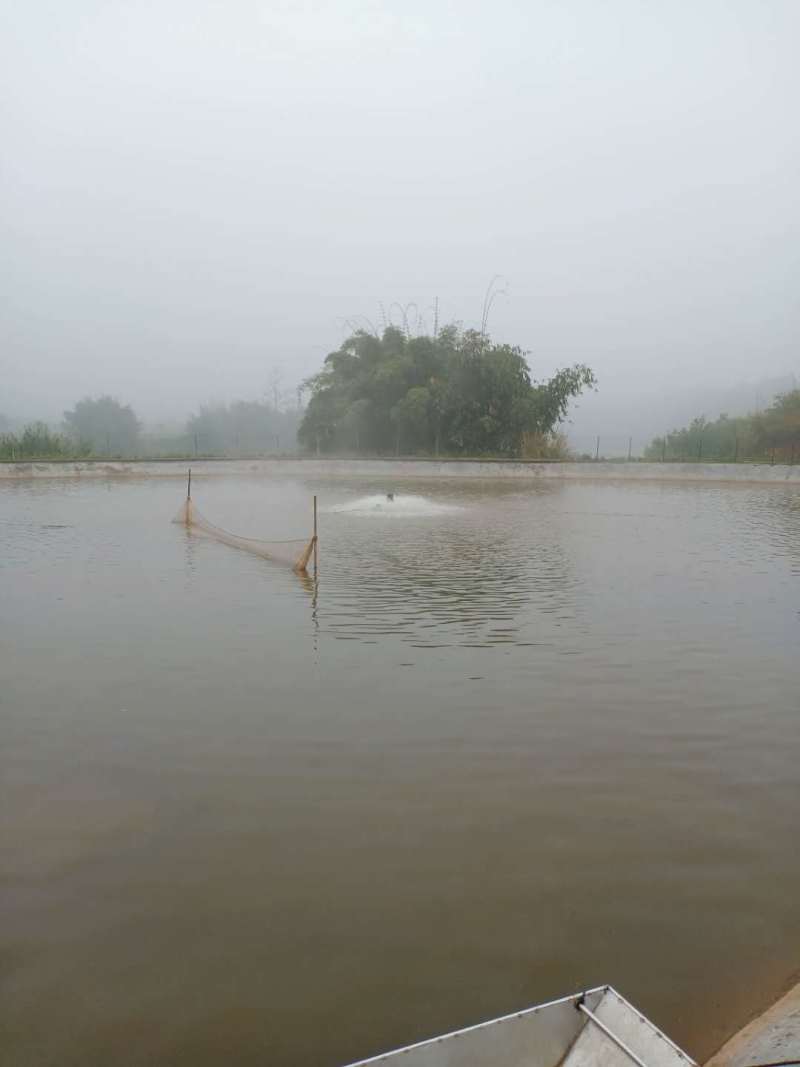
195 193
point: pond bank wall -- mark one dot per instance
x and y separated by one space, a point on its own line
394 470
772 1037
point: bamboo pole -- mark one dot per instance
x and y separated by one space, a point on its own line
315 535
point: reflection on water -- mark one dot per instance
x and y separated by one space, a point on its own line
514 741
467 579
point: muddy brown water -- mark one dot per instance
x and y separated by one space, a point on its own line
519 740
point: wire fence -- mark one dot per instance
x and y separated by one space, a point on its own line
606 446
680 447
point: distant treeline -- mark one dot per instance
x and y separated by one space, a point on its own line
245 427
772 435
455 393
102 427
37 441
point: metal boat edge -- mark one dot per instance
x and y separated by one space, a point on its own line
602 1021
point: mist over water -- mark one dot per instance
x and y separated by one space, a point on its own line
518 740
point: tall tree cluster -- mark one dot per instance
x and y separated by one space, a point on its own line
456 393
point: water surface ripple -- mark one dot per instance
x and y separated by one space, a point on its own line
516 740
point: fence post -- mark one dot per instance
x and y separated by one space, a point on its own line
630 446
597 450
772 457
792 459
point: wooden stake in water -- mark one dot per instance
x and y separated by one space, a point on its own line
189 486
315 536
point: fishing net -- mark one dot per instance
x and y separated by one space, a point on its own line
295 552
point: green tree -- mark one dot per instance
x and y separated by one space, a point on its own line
356 421
36 441
775 431
778 427
412 416
103 426
456 392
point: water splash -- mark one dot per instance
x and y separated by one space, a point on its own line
402 505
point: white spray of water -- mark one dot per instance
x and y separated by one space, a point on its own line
402 506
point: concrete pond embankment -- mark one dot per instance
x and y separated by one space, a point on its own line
772 1037
398 469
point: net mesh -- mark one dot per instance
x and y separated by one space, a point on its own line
295 552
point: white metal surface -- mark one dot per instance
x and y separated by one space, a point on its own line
609 1033
556 1034
623 1038
539 1035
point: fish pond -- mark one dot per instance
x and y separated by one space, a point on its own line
515 740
